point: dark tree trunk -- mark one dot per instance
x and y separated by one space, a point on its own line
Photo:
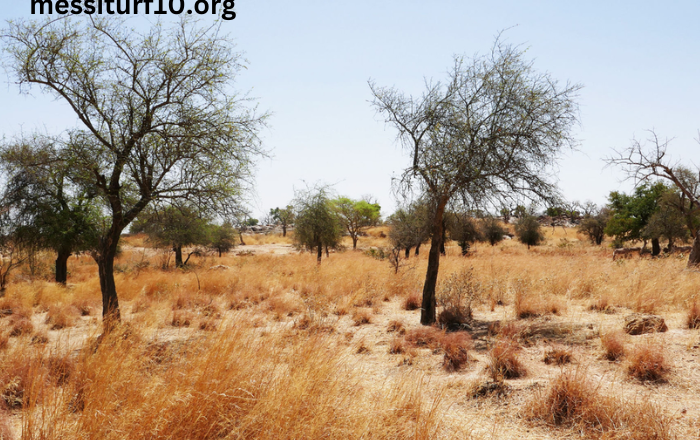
655 247
240 234
105 269
418 249
319 255
694 259
408 252
428 309
62 266
354 242
465 247
219 252
178 256
327 253
284 230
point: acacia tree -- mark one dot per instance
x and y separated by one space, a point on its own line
489 133
464 229
222 237
643 163
284 217
158 118
492 230
64 216
631 214
356 216
317 225
174 226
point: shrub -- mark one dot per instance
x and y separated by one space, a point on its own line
413 301
397 346
613 346
21 326
59 317
504 362
455 296
528 231
573 401
647 363
428 337
557 356
456 347
361 317
396 326
694 316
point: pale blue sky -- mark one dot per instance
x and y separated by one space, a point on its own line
310 62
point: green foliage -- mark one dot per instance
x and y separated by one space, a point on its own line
492 230
175 226
252 222
463 229
317 225
356 215
668 221
222 238
527 229
631 213
283 217
593 225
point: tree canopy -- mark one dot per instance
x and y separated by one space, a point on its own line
317 225
488 134
356 216
158 117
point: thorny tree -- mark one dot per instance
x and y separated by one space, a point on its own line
491 132
158 118
642 163
39 191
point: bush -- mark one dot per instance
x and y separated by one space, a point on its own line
492 231
573 401
527 229
504 362
413 301
647 363
613 346
557 356
456 347
455 296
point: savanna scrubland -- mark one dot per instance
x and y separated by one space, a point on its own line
265 343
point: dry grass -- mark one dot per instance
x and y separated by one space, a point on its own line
647 362
613 345
557 356
572 401
504 361
268 344
693 320
413 301
456 347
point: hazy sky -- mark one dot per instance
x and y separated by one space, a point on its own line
309 62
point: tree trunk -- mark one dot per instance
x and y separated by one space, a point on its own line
105 269
354 242
408 252
428 309
284 230
178 255
327 253
418 249
62 266
694 259
219 252
655 247
319 255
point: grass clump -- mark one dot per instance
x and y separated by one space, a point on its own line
504 362
572 401
557 356
456 347
613 346
647 362
413 301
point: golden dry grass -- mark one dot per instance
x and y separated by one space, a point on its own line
273 346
